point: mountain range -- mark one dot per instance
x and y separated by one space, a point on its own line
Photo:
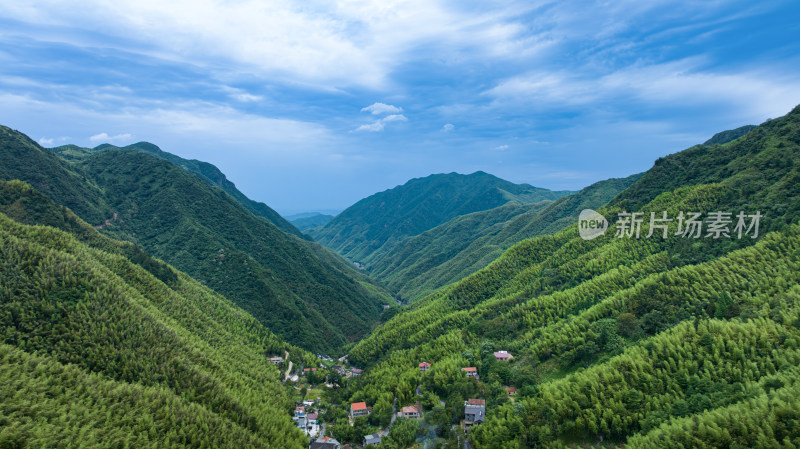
105 346
142 297
293 286
663 341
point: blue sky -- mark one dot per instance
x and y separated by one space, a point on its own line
315 105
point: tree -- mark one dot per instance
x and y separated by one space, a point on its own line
402 434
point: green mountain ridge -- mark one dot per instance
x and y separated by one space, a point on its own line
415 267
378 222
209 173
306 222
103 346
632 342
295 287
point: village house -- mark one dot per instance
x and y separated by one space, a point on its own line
300 417
324 443
503 356
372 440
276 360
424 366
411 413
357 372
474 411
302 422
471 371
512 391
308 370
339 369
359 409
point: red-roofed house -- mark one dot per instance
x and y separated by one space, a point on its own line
359 409
424 366
411 412
503 356
512 391
471 371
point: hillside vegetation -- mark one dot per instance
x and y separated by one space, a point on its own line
209 173
296 288
371 226
418 265
104 346
635 342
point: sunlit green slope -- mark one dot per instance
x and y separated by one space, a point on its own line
633 341
103 346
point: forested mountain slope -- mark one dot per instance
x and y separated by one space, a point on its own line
373 224
104 346
22 158
209 173
296 288
633 341
418 265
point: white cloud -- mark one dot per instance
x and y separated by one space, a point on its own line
46 142
371 127
379 125
501 148
105 138
201 127
448 127
682 83
329 44
381 108
394 118
246 98
241 95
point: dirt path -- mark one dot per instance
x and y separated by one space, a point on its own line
289 369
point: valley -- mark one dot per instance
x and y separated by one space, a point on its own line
147 302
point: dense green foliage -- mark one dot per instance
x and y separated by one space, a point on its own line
209 173
649 342
296 288
313 300
95 351
729 135
375 223
22 158
416 266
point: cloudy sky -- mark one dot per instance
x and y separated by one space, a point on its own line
313 105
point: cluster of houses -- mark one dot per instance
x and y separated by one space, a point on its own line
501 356
308 422
347 373
474 409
